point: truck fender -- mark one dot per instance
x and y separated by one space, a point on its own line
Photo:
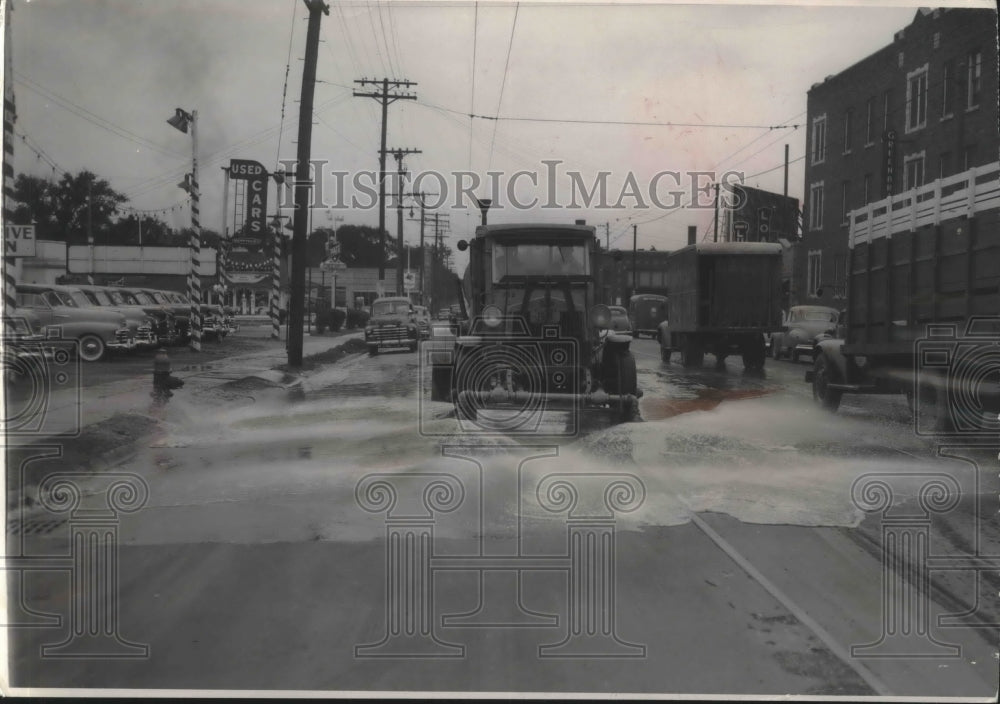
832 351
617 342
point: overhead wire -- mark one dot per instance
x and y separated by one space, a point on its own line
503 82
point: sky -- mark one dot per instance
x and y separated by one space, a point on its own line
95 81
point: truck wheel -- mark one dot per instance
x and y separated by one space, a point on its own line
934 412
691 354
665 353
441 384
775 348
413 347
795 356
627 382
754 355
372 350
823 376
91 348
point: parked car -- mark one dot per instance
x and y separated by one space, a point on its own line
213 321
804 326
95 331
620 322
422 317
23 341
165 324
391 325
142 326
647 311
176 304
444 314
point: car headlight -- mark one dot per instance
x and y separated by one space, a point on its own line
492 316
600 316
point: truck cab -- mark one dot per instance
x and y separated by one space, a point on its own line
535 333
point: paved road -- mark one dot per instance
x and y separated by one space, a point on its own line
712 548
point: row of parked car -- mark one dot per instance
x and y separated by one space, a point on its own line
98 320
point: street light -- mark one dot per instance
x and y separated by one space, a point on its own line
180 121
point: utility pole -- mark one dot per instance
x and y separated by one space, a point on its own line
785 192
303 184
715 221
398 154
420 195
607 236
635 235
384 97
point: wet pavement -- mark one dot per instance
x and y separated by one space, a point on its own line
728 517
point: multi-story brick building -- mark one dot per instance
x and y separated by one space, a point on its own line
922 108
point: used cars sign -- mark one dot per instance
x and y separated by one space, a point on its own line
254 173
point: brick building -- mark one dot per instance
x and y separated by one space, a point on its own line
921 108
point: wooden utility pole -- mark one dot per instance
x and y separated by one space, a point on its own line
303 185
398 154
635 241
419 196
384 97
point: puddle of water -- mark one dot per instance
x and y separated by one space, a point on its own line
705 399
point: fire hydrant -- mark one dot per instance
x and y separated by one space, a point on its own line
163 383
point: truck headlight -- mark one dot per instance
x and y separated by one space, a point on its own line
492 316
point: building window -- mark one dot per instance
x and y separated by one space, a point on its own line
819 139
845 204
885 111
870 122
840 276
848 127
974 79
813 272
868 189
916 99
816 206
913 171
947 89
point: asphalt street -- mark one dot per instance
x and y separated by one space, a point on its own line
357 536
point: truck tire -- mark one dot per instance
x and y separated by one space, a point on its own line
691 353
626 382
824 374
754 355
372 350
665 354
775 348
441 384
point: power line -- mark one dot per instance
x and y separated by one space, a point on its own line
375 37
91 117
284 89
503 83
472 94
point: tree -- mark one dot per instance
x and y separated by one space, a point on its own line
360 246
62 210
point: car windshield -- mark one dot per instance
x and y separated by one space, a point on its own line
58 298
80 299
100 297
826 316
159 297
390 308
31 300
539 260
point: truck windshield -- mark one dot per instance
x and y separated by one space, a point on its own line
539 260
390 308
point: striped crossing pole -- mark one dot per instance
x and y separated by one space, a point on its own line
9 263
194 282
276 281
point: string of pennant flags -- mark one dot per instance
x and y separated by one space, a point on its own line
180 205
